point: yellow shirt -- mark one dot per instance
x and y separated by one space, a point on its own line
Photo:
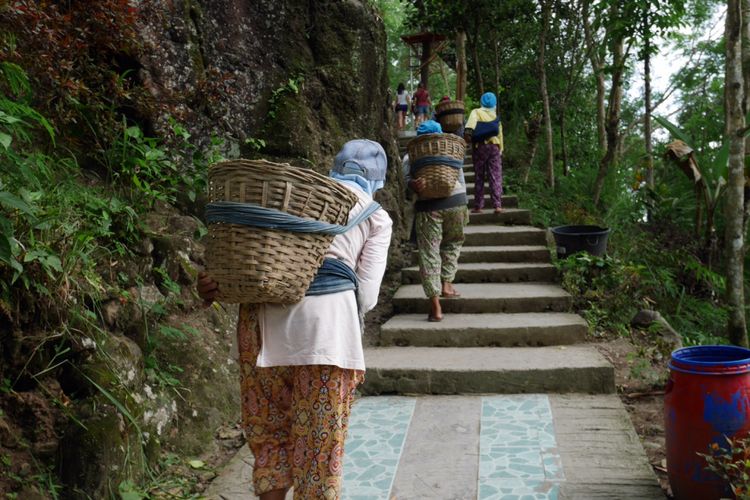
485 115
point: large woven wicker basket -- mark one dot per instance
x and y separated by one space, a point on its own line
256 265
440 178
450 114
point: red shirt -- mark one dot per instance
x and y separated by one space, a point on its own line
422 97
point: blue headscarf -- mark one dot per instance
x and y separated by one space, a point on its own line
361 163
429 127
488 100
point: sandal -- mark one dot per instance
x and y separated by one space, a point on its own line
434 319
450 295
476 210
498 210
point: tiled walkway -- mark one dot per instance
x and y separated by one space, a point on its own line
377 432
517 453
504 447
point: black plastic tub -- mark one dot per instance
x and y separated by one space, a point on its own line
572 239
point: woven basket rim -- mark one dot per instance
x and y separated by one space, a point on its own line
414 143
450 104
299 174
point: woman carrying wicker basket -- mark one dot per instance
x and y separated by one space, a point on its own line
440 226
300 363
485 132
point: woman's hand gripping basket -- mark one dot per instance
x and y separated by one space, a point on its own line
450 114
262 222
437 158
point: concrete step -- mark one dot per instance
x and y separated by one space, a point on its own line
509 201
494 272
488 298
507 216
470 188
515 253
454 370
499 253
481 235
480 330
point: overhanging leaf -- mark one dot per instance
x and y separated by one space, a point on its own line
674 130
12 201
5 251
5 140
720 165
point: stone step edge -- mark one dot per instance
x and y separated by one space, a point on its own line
447 370
479 330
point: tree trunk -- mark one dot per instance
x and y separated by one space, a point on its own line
424 72
532 127
461 65
746 99
550 168
647 102
612 125
563 144
444 74
474 42
734 240
497 66
598 69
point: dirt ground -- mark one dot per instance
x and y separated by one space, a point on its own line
640 375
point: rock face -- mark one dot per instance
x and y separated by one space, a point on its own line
302 77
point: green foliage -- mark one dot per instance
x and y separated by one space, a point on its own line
395 14
75 54
608 291
291 87
731 462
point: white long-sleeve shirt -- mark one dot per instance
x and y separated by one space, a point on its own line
325 329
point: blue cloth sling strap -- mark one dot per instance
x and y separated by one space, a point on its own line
334 275
420 163
250 214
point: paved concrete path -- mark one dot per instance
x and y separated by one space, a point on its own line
503 399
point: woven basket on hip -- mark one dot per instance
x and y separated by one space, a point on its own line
450 114
255 265
440 179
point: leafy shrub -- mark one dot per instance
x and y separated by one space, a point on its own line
731 463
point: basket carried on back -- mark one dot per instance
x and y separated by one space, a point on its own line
257 264
450 114
437 158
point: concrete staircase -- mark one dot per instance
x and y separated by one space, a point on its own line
503 399
511 331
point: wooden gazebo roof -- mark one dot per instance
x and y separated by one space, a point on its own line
423 37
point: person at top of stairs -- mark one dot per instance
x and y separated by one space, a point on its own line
485 133
440 233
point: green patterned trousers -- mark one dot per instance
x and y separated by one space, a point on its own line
440 235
